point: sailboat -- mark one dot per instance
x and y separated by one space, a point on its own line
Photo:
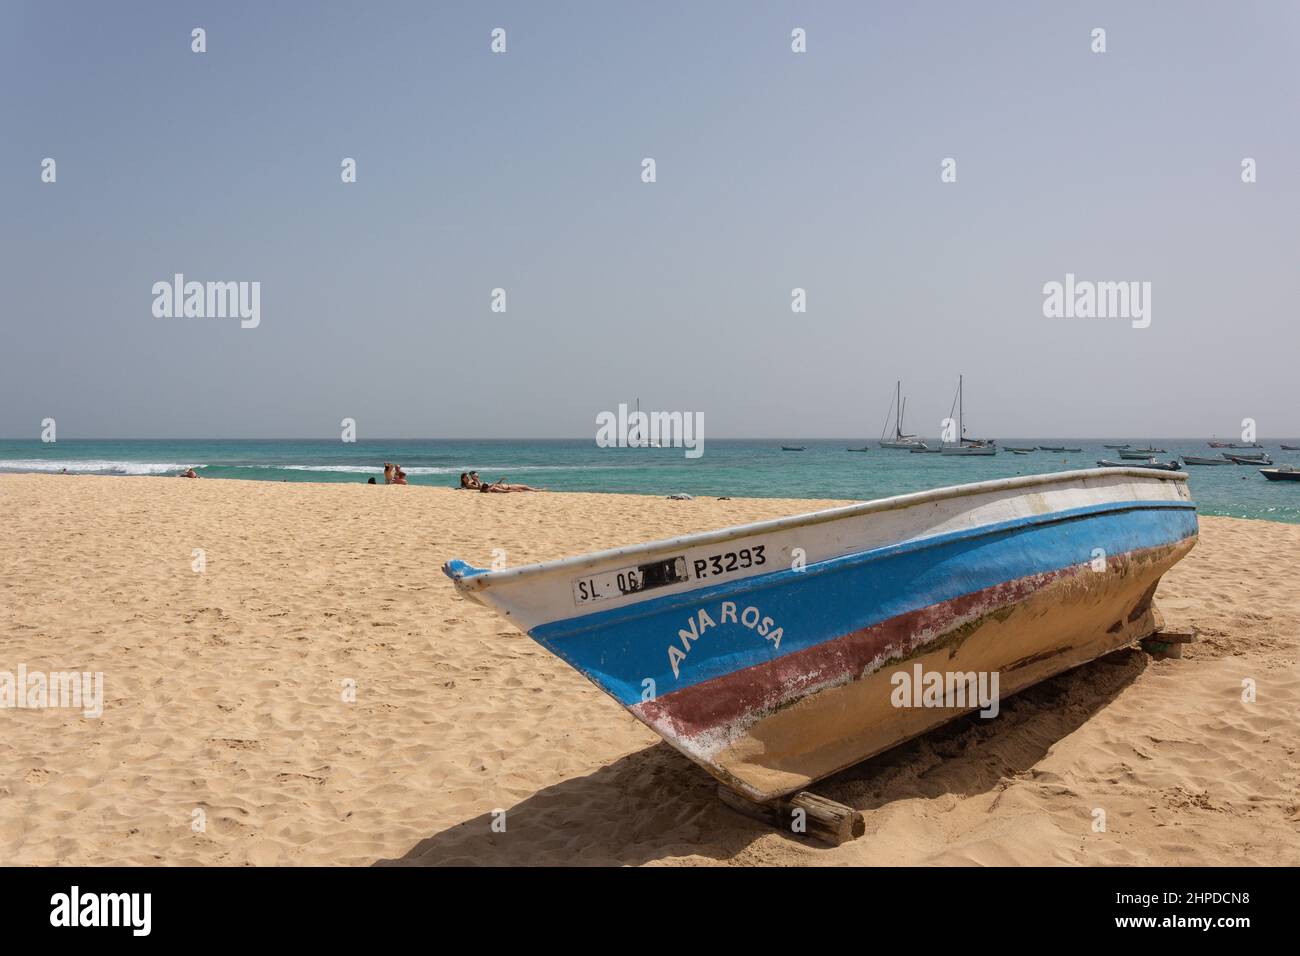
639 440
964 445
900 440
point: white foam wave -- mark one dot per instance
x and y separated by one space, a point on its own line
93 466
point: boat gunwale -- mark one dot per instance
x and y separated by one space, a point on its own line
468 578
668 603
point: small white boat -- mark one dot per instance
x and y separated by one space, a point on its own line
770 653
1149 463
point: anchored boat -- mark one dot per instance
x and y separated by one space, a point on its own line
1146 463
901 440
966 446
767 653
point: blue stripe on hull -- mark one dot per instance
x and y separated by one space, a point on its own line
620 648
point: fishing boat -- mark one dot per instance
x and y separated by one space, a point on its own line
1251 444
1291 447
1284 473
1219 444
1116 446
1148 451
964 445
1135 455
1149 463
771 653
794 447
1021 450
857 449
1017 451
1051 448
898 407
1075 450
1260 459
1195 460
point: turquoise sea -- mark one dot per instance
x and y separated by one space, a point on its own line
734 467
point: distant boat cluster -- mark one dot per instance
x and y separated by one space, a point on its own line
1260 459
900 440
1243 453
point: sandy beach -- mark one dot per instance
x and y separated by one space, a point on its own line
225 692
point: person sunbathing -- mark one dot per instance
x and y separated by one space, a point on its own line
188 473
399 476
501 487
470 479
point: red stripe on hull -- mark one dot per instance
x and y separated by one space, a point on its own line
723 703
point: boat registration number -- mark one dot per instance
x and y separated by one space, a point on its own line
630 580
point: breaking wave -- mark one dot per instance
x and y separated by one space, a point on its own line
94 467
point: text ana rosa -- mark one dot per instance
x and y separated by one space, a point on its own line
751 617
208 300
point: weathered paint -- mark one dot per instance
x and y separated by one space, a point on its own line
920 576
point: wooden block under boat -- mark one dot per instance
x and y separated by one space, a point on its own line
802 814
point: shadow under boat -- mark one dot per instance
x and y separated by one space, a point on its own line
656 804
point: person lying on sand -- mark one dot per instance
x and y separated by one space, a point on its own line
188 473
500 487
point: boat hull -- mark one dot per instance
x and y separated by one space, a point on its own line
783 672
771 745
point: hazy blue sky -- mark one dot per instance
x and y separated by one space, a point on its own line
522 171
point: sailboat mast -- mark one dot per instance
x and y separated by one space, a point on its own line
898 408
961 413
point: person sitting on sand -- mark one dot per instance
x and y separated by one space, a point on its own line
469 479
399 476
500 487
188 473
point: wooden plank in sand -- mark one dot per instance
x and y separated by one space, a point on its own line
802 814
